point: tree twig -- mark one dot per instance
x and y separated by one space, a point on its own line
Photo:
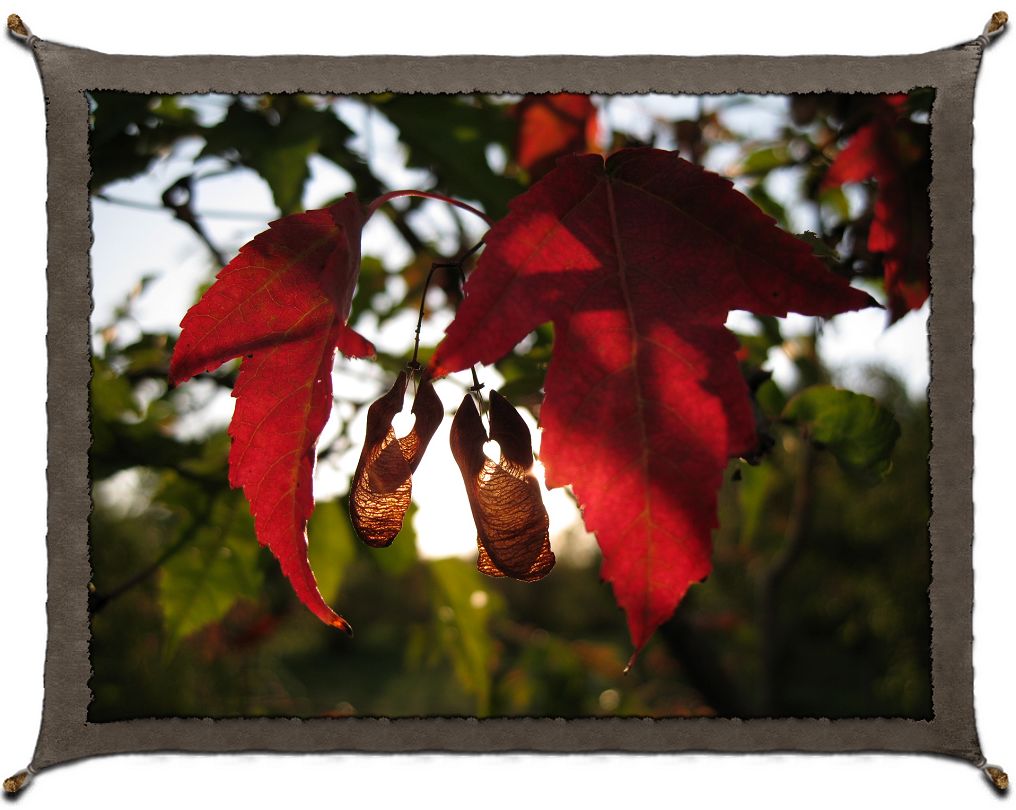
794 541
178 198
98 601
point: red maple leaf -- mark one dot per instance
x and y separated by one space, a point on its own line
889 150
637 261
550 126
282 305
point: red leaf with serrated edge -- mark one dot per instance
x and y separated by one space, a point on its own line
637 262
889 150
551 125
282 305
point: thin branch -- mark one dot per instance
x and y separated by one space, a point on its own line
97 601
456 265
177 198
769 583
158 207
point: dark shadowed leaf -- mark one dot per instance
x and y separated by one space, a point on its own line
449 136
464 607
276 139
853 427
331 546
130 130
217 567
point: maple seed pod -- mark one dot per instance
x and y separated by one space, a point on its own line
511 522
382 485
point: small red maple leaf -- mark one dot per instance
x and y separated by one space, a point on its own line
281 305
638 261
889 150
552 125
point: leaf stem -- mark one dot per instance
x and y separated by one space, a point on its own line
414 364
430 195
477 385
155 207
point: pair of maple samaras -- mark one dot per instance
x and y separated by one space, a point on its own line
512 527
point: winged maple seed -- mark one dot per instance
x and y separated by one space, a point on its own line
382 485
512 527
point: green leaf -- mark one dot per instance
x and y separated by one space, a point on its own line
820 248
764 200
276 139
763 161
525 369
373 281
218 565
112 395
771 399
853 427
332 546
754 493
449 135
149 355
464 605
836 200
126 435
129 130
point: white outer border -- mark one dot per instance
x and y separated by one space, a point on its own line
435 27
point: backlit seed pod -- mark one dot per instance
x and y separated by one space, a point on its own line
382 485
511 522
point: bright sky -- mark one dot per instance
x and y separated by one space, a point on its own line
134 242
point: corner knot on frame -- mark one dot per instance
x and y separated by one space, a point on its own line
17 26
18 782
997 777
992 28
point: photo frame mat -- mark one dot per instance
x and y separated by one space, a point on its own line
67 72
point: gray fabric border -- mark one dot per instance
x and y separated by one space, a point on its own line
67 72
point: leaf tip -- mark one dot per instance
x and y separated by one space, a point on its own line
631 662
871 302
436 369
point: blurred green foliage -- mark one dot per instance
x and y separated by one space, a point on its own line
818 602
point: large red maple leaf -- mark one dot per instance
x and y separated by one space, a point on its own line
281 305
638 261
889 150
